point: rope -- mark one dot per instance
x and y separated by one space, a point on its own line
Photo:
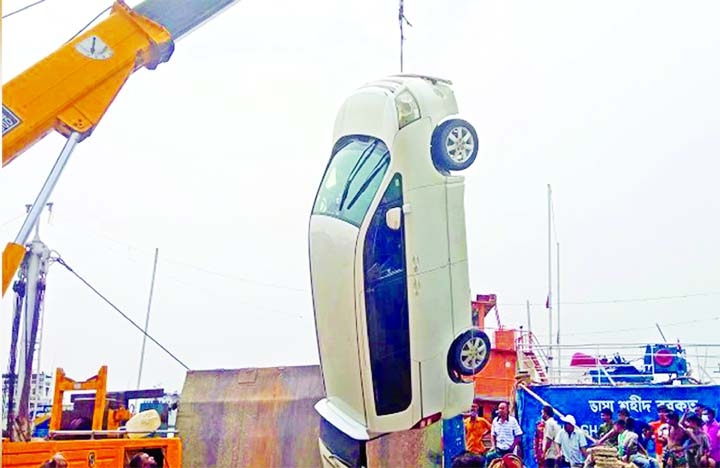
402 20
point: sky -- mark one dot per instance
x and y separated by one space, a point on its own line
214 159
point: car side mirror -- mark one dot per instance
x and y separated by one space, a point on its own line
393 218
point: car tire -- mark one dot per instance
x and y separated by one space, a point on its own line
446 154
469 354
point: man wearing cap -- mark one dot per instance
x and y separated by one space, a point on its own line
572 443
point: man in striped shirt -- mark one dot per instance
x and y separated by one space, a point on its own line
505 433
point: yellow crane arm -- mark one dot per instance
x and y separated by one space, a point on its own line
71 89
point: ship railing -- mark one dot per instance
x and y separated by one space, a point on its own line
617 363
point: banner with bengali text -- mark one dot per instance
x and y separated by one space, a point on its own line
586 402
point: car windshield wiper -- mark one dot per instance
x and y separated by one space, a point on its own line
376 170
364 156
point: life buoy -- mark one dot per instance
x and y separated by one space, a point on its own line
663 357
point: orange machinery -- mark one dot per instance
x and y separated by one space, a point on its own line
107 447
496 381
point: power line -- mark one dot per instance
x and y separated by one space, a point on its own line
9 221
62 262
22 9
622 301
622 330
166 259
237 278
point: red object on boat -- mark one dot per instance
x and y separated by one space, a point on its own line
585 360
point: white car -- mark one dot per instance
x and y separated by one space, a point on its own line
388 261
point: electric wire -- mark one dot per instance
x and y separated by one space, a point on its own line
634 329
19 10
621 301
9 221
83 280
89 23
165 259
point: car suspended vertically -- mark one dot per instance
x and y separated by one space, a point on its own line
388 261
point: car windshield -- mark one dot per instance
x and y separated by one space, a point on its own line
352 178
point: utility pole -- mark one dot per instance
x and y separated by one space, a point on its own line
559 350
527 306
549 294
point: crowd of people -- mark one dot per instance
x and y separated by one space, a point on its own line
673 440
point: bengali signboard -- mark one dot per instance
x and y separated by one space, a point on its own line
586 402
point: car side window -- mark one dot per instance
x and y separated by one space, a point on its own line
386 306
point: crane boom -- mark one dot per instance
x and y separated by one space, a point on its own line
70 90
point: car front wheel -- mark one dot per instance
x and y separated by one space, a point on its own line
469 353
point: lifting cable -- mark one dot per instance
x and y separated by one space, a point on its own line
62 262
402 20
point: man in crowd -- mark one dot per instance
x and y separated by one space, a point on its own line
712 429
674 451
629 448
56 461
646 440
551 452
505 433
571 443
476 427
631 424
142 460
607 428
698 447
660 430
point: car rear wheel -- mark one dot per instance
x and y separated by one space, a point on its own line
469 353
454 145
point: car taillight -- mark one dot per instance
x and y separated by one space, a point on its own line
426 421
408 110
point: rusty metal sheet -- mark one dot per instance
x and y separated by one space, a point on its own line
421 448
251 417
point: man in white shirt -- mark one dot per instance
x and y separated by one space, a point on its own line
505 434
572 443
551 453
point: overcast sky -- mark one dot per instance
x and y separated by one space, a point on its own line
215 157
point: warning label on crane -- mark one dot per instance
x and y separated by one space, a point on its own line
9 120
